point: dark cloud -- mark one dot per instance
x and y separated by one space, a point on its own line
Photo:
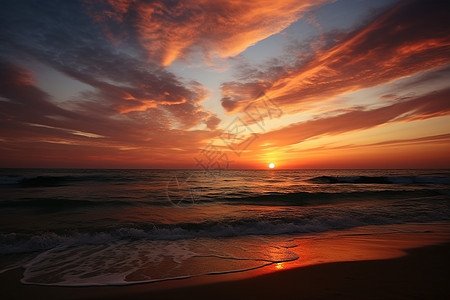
168 30
17 86
135 106
50 134
61 35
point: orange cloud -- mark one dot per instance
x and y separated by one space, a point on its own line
426 140
148 89
171 30
91 133
410 38
427 106
421 156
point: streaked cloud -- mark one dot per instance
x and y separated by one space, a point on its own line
423 107
169 30
134 108
412 37
29 120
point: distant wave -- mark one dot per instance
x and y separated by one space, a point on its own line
12 180
381 180
49 181
275 199
271 199
55 203
318 198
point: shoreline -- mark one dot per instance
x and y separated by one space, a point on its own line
421 271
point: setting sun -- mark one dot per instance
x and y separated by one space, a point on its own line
271 165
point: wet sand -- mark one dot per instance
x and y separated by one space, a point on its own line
423 273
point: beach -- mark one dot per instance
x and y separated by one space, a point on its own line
422 273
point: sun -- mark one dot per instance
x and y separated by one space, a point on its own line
271 165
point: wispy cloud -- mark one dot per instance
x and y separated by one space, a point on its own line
419 108
412 37
425 140
134 106
174 29
85 137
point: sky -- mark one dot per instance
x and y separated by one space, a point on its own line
215 84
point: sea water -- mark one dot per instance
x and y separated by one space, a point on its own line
73 227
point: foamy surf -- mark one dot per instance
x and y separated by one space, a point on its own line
125 263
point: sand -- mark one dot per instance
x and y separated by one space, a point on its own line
423 273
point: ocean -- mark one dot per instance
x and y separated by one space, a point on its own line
76 227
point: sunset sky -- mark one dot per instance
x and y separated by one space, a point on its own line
225 84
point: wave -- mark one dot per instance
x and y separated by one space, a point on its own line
56 203
318 198
271 199
312 221
12 180
62 180
381 180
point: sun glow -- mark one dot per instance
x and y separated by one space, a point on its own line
271 165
